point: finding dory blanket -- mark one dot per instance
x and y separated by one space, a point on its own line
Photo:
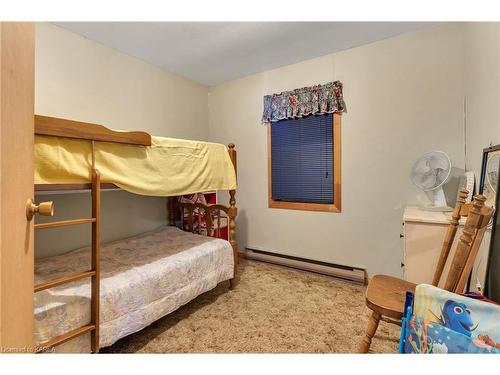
444 322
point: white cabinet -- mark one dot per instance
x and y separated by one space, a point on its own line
424 233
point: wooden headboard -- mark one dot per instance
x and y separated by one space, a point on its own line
59 127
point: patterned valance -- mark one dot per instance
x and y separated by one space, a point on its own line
314 100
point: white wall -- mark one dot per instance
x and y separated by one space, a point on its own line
404 97
79 79
482 89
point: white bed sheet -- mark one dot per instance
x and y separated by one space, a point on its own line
143 278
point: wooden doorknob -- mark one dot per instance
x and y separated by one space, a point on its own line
44 208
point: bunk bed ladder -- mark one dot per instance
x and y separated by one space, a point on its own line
93 273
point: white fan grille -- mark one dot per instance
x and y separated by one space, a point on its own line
431 170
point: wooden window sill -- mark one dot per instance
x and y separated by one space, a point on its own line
305 206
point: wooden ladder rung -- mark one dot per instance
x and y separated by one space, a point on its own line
63 280
65 337
63 223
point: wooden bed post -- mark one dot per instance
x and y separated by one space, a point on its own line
96 261
232 213
171 211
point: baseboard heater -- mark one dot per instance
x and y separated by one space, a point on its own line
344 272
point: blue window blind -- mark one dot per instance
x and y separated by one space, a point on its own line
302 159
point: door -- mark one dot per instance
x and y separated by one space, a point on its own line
17 45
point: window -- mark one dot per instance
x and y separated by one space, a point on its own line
304 163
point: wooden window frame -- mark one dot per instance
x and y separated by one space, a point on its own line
337 173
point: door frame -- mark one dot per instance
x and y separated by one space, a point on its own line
17 63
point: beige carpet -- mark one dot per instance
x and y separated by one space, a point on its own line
272 310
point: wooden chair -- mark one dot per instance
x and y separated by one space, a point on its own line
385 295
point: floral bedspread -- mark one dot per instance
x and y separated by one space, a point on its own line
143 278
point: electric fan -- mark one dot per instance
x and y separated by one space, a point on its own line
429 173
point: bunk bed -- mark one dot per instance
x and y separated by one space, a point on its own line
134 281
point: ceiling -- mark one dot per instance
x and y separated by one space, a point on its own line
213 52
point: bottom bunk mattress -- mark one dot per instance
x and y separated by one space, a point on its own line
143 278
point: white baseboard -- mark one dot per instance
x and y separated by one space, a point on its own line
349 273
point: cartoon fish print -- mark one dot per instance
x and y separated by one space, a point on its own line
457 317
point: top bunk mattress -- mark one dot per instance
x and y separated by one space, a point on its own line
168 167
143 278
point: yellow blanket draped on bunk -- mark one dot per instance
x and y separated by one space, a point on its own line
168 167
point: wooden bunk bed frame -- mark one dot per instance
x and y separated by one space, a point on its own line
58 127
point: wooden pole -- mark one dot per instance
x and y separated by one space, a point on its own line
171 211
96 261
450 236
232 213
464 245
